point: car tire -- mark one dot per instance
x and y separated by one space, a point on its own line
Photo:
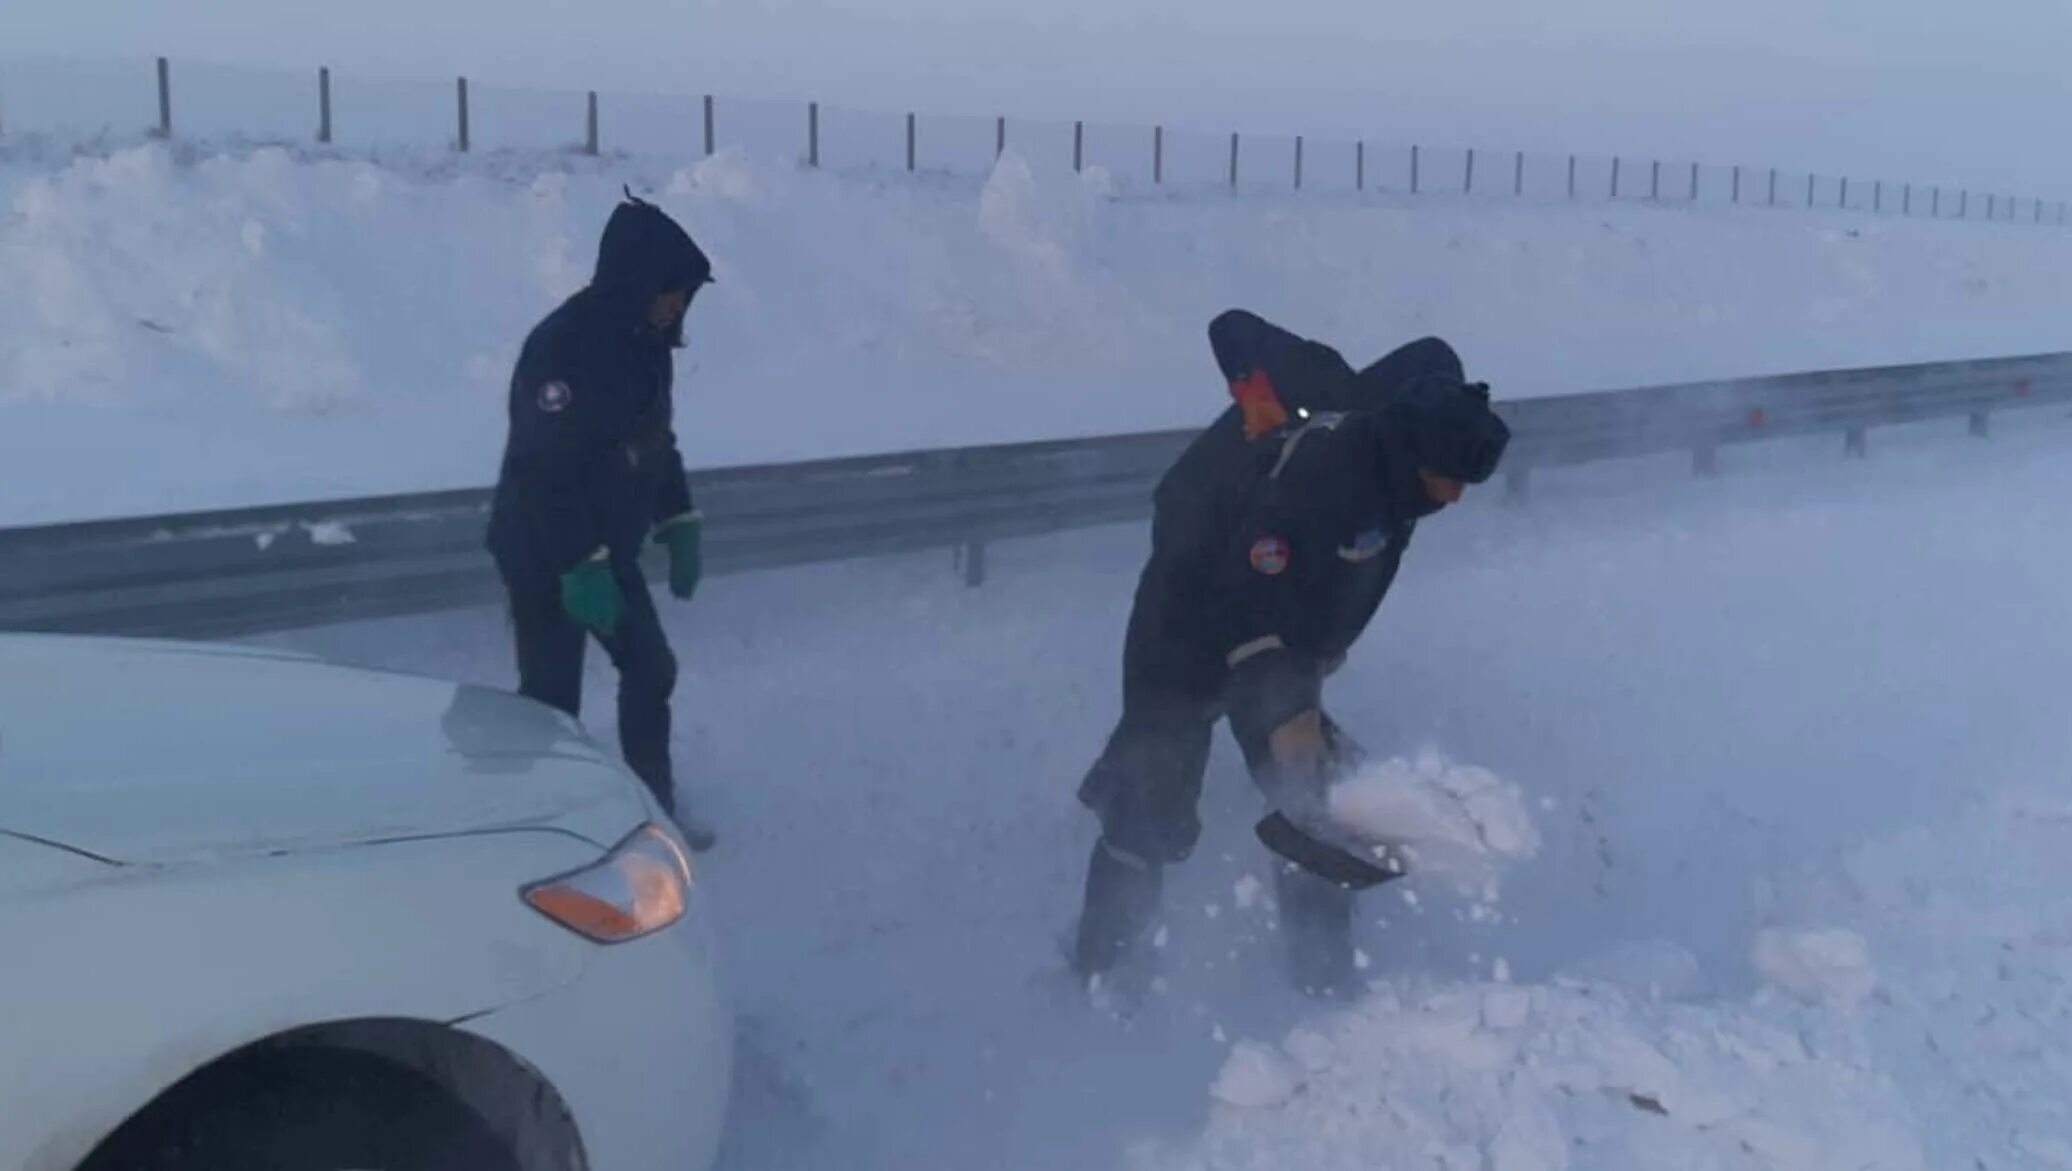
308 1111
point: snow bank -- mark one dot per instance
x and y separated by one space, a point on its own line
274 324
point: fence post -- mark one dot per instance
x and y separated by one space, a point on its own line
1518 178
1906 202
1844 205
1468 180
1413 170
1233 160
1078 147
1773 187
1992 208
1812 186
1298 162
1571 178
813 135
460 90
910 142
709 143
1158 154
590 126
1360 166
1964 204
1878 197
1737 183
1655 182
165 98
1000 136
1694 182
1935 206
2061 211
324 104
1615 176
2039 211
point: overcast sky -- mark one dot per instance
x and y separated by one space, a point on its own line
1937 90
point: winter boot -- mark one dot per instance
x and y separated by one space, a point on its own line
1317 921
1123 894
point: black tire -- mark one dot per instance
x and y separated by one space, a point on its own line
311 1110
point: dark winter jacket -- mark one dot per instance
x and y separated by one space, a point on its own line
591 461
1294 534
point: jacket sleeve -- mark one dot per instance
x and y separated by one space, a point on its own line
674 500
558 443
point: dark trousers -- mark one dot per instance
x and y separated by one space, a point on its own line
550 670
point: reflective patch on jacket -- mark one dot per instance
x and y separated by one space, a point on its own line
1366 545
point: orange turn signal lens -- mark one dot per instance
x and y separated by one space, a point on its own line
638 889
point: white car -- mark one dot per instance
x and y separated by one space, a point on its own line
261 912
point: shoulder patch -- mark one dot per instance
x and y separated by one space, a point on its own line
555 396
1270 555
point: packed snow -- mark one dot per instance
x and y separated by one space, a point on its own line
1772 778
235 326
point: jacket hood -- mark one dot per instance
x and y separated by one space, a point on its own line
644 254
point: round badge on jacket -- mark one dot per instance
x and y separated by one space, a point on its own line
554 397
1270 555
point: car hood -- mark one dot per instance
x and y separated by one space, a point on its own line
160 752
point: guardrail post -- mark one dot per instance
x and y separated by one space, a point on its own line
813 134
1737 182
324 104
972 556
1655 181
460 90
1981 425
709 144
1078 147
1615 176
911 133
1298 162
1158 154
1694 182
1571 178
1360 168
999 136
165 98
1413 170
590 144
1467 184
1233 160
1518 177
1856 442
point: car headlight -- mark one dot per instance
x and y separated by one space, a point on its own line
638 889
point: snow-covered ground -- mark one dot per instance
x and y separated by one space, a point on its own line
182 327
1794 748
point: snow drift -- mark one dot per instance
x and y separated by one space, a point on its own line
270 324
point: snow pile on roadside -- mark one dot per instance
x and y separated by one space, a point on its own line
270 324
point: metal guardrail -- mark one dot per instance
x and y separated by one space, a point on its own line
220 574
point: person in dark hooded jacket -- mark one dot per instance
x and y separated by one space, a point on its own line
1274 538
591 474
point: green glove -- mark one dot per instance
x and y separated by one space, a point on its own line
591 595
686 560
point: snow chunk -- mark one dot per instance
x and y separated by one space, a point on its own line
1247 893
1830 967
329 533
1255 1077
